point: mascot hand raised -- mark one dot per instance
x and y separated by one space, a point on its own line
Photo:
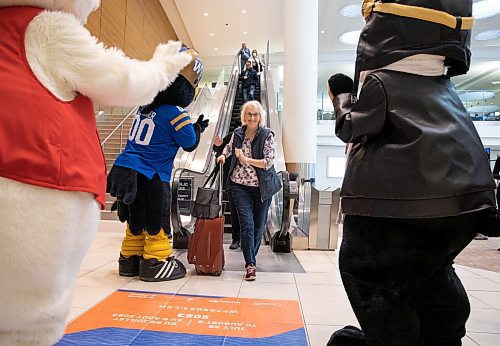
200 125
53 175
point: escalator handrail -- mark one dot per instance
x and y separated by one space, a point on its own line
285 217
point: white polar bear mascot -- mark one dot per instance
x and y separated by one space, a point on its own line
52 170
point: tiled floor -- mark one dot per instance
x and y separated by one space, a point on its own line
319 290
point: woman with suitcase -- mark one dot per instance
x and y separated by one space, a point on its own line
252 179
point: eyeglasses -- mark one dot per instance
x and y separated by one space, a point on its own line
252 114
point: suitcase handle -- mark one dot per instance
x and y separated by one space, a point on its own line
221 181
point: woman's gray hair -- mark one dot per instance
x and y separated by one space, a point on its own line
262 112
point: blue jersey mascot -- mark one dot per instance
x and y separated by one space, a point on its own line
140 177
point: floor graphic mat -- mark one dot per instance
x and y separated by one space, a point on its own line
148 318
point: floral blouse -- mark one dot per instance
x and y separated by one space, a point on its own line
244 173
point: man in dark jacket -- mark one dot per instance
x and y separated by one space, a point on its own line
418 185
249 79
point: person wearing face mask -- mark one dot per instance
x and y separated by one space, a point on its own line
257 64
249 80
252 179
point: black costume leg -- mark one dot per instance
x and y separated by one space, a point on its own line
158 264
167 203
137 210
396 273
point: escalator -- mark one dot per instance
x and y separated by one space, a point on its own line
192 170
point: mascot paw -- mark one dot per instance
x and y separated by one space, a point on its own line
122 184
175 61
202 123
347 336
121 210
153 270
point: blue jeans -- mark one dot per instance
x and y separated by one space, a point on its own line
252 213
248 93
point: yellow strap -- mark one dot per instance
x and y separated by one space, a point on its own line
181 125
422 13
183 115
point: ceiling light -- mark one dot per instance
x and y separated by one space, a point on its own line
485 9
488 35
351 37
216 48
351 11
211 34
244 32
496 82
205 14
322 31
243 11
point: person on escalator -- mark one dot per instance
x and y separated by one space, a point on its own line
249 80
244 54
252 179
219 145
140 177
257 64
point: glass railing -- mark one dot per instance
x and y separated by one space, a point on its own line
481 105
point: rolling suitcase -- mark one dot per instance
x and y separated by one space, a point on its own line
205 248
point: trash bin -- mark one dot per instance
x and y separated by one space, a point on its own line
323 231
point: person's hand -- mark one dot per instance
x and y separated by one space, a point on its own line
239 154
340 84
245 77
221 159
218 141
203 124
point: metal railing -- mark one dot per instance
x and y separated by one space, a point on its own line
277 233
120 127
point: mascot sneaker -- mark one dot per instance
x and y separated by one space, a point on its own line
129 266
153 270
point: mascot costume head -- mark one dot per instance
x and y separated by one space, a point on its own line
140 177
418 185
52 170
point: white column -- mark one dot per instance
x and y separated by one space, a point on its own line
300 80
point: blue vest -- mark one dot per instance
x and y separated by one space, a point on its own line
269 182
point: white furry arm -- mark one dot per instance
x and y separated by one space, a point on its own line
71 60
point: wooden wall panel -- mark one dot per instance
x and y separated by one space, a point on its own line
133 29
135 26
94 22
113 21
149 35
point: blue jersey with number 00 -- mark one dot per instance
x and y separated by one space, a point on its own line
154 139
